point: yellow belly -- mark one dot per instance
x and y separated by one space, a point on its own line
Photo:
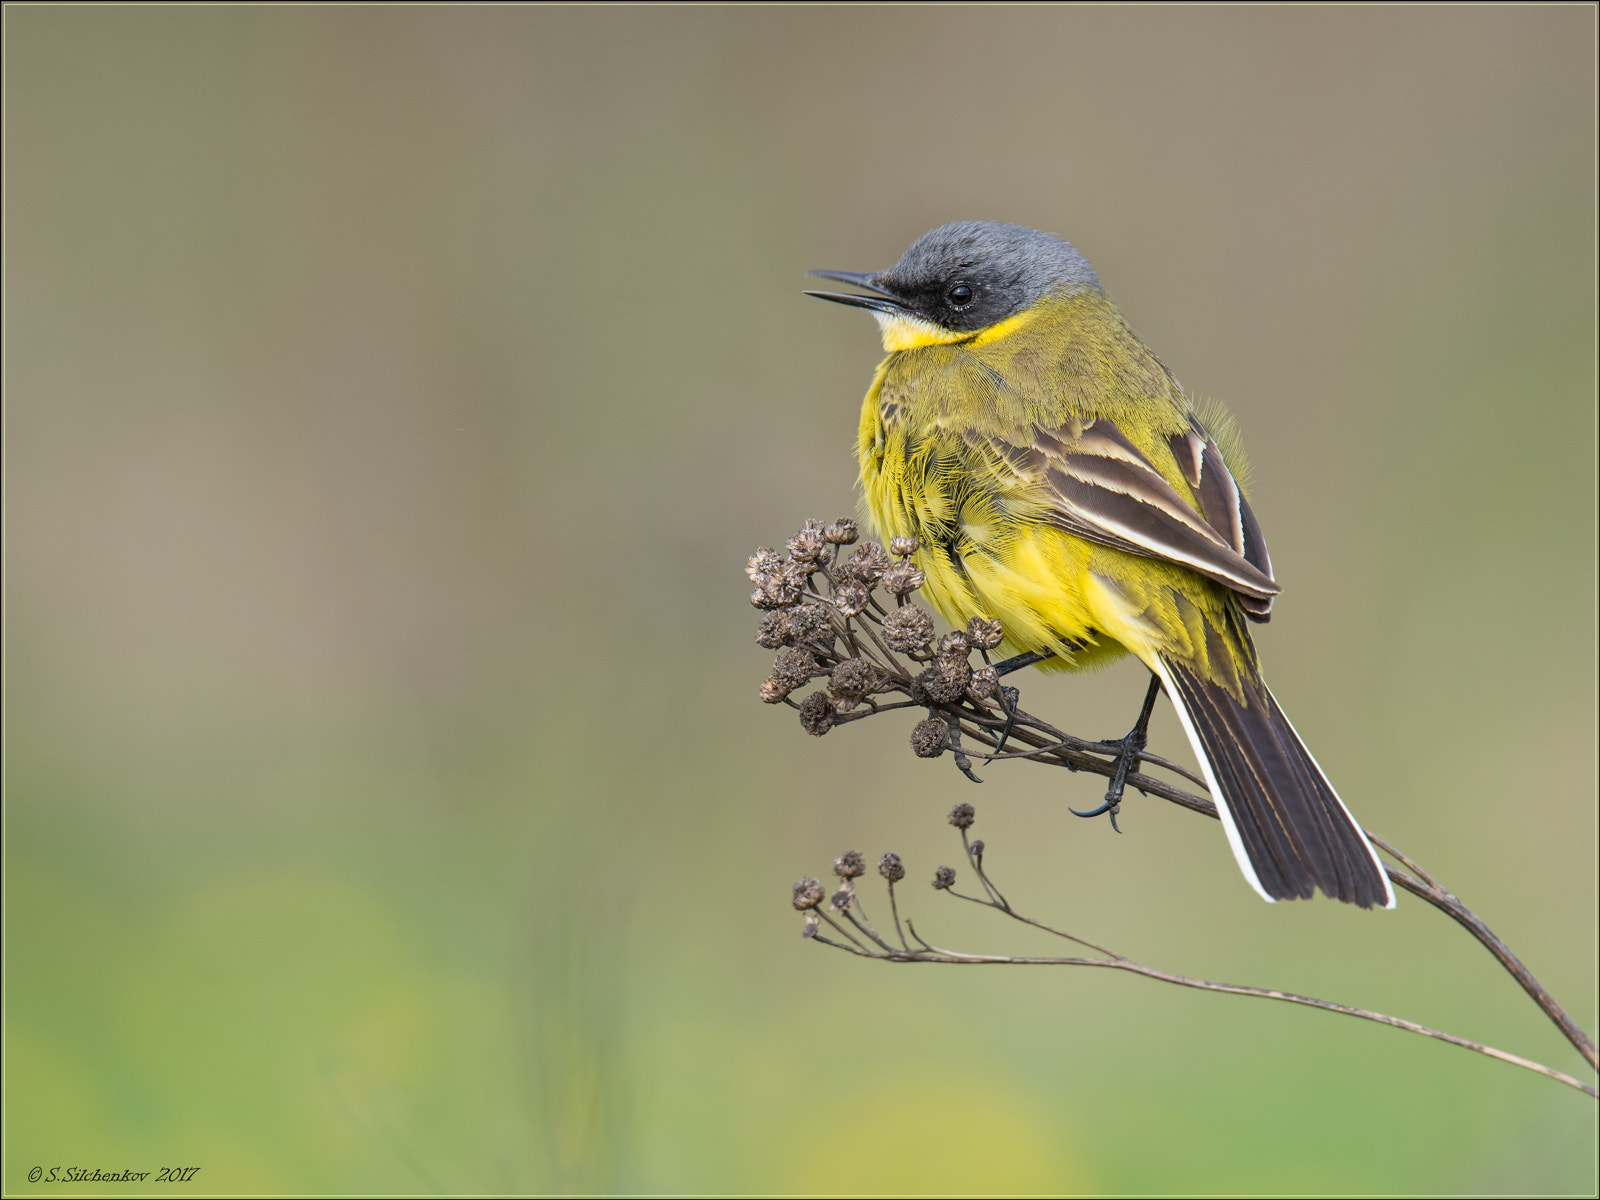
1038 582
931 446
989 542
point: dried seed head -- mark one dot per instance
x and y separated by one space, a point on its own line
850 865
762 562
808 893
928 738
793 667
891 868
944 877
955 645
850 598
774 630
816 713
852 679
909 629
868 563
977 848
842 532
985 632
841 899
943 682
808 544
810 623
902 547
780 588
963 815
813 923
985 682
773 692
903 578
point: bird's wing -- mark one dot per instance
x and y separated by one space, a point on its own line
1103 488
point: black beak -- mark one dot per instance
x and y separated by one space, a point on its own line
860 279
881 301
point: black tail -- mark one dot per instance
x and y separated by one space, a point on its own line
1286 824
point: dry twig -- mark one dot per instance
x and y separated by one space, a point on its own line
850 622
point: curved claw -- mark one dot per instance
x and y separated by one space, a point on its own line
953 741
1008 701
1127 761
1110 806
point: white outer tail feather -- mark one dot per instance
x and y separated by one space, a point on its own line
1235 842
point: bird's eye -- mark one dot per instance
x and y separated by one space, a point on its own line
959 296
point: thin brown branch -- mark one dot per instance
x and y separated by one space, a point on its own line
865 926
1423 886
1446 902
983 720
1120 962
894 909
878 641
817 937
1061 933
843 932
975 857
1125 964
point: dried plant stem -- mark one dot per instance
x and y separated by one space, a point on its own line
929 953
1124 964
1421 884
838 630
1426 888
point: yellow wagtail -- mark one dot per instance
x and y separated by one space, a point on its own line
1059 479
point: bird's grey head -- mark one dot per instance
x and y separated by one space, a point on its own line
970 275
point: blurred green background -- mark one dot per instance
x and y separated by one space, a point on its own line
392 397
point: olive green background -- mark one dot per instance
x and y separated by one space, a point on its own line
392 397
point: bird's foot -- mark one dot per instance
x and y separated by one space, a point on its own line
1008 695
1127 751
1008 702
953 740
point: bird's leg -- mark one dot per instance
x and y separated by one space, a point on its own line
1127 748
1008 695
1017 662
953 741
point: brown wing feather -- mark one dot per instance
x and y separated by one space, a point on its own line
1223 505
1105 489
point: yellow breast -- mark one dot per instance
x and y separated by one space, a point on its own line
988 546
